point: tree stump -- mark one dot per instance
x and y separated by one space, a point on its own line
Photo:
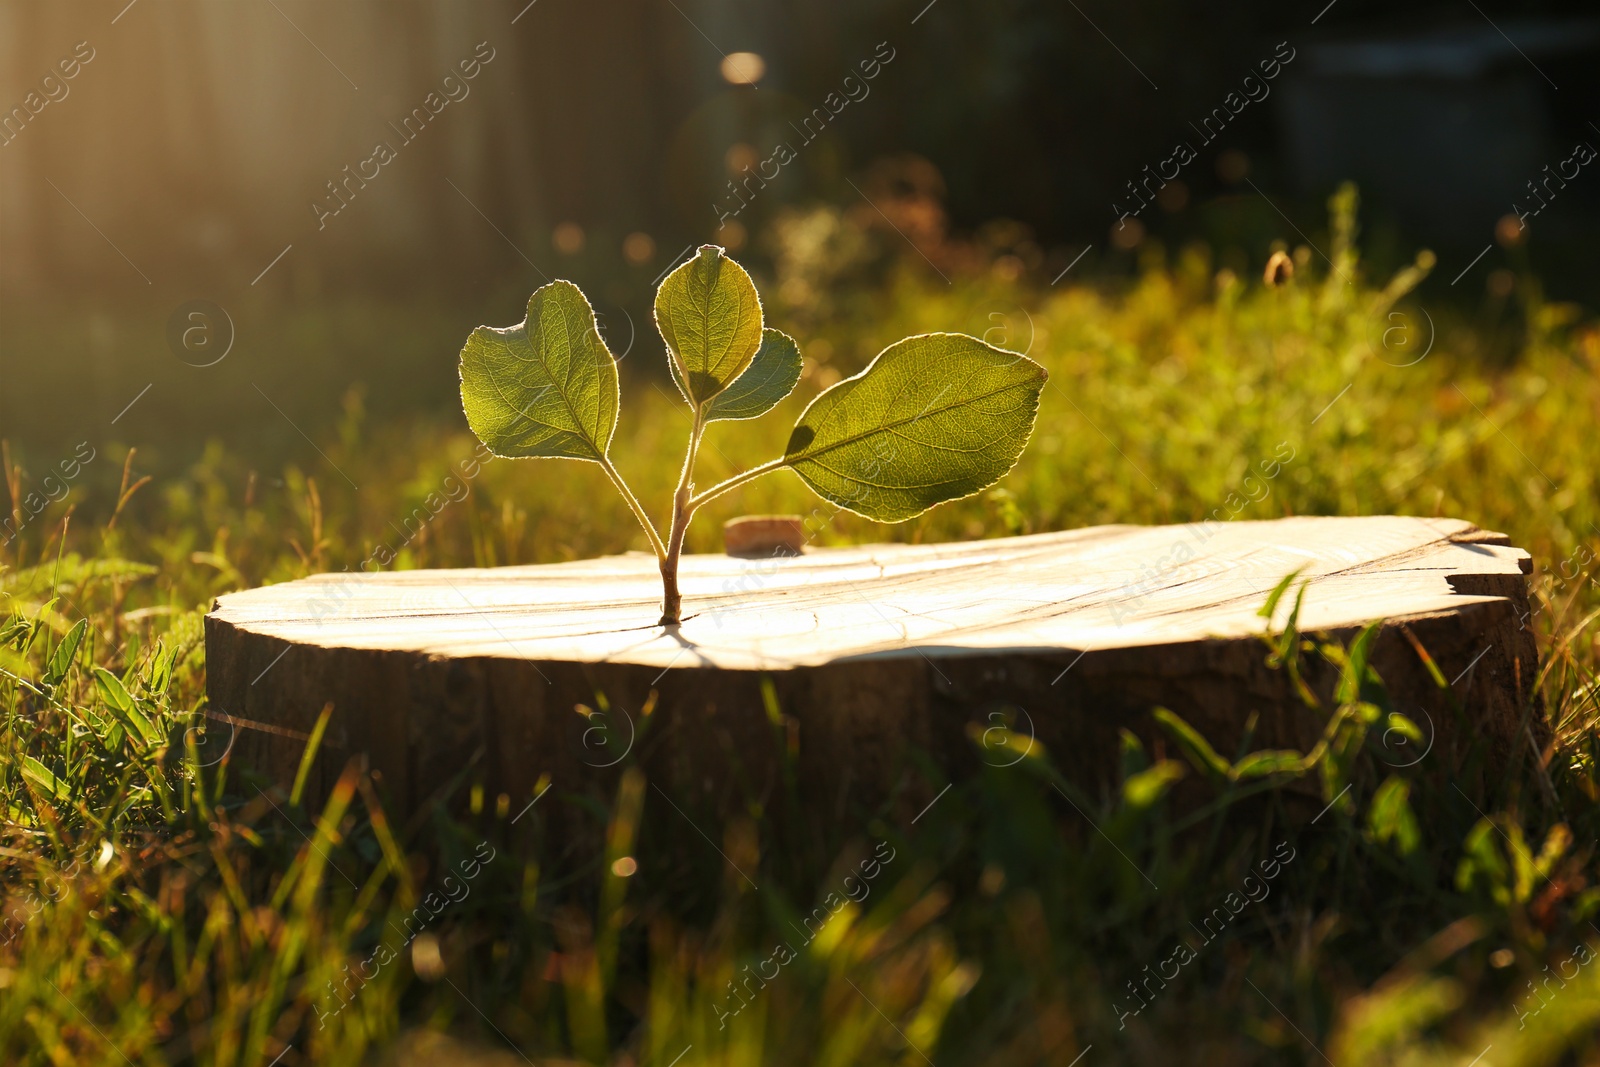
862 660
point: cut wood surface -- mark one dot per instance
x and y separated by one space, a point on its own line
872 652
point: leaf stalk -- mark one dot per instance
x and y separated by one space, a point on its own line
737 480
683 508
638 511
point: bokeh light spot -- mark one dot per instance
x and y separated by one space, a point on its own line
743 68
568 238
638 248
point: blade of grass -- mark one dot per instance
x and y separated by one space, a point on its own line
309 754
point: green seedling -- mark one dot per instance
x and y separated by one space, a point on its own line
933 418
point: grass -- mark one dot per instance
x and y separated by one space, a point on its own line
165 904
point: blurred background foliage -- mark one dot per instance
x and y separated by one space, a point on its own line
600 141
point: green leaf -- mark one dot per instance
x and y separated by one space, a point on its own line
1399 724
43 779
709 314
1194 746
546 387
146 730
933 418
116 695
112 690
1288 641
160 675
1134 759
61 659
1390 820
1266 762
1148 786
308 755
1271 606
771 376
1483 865
1355 666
